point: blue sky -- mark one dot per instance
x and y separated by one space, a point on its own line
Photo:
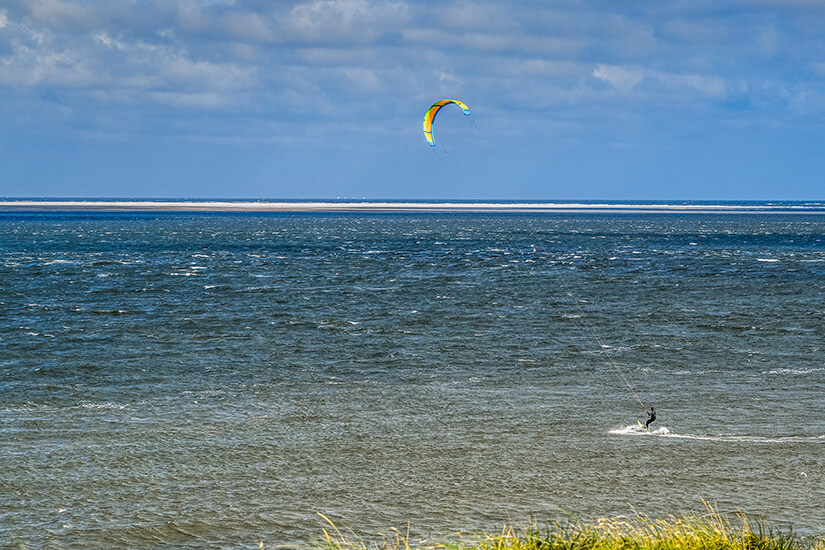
700 99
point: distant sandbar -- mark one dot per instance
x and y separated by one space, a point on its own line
402 207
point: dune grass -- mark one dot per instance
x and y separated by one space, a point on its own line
709 531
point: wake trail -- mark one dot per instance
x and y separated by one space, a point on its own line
663 431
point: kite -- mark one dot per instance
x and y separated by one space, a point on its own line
429 118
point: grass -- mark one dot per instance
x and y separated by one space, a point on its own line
709 531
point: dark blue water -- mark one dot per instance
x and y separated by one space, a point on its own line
216 380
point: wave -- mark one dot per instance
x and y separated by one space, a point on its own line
810 370
29 407
663 431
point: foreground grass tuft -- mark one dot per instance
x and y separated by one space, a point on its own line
710 531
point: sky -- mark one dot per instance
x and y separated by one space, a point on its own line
269 99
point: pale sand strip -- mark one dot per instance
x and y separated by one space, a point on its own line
386 206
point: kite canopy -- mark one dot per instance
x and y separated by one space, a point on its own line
429 118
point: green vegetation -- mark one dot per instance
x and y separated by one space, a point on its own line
711 531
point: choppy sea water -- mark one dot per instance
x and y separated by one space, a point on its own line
196 380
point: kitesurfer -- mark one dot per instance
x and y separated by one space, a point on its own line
651 416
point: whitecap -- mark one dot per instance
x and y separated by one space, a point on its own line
106 406
795 371
638 430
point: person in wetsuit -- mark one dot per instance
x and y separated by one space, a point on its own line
651 416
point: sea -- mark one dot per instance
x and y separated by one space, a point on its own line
230 379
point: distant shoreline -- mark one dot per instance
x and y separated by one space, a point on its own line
408 207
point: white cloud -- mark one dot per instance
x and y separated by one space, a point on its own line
489 42
55 12
625 79
151 73
207 100
356 21
363 79
621 78
709 86
532 68
337 57
108 41
35 60
767 40
804 99
324 57
785 4
818 67
445 84
703 30
250 27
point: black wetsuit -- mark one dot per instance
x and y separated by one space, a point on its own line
651 416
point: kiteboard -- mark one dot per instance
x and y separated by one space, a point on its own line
639 423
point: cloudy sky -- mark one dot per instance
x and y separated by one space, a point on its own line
694 99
